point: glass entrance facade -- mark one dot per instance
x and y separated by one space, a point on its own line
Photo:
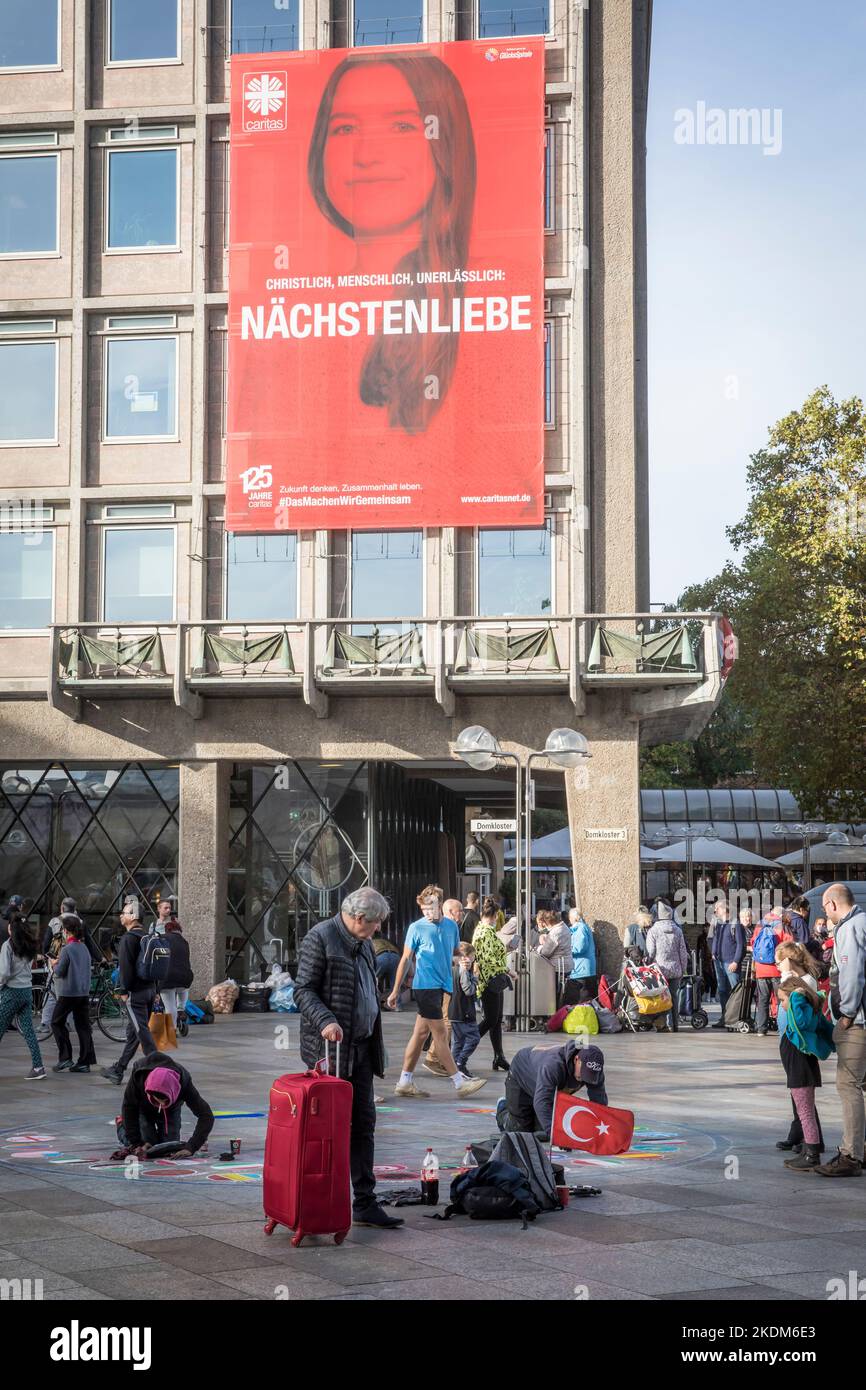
92 834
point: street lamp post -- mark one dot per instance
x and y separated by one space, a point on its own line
807 833
480 748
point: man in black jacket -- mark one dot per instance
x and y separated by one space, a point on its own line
535 1076
137 995
337 997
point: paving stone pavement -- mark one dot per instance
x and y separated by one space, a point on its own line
701 1209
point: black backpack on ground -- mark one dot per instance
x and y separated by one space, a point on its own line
493 1191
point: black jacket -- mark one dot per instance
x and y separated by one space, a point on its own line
468 925
542 1071
128 951
136 1103
461 1006
325 986
180 974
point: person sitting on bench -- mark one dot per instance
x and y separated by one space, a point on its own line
537 1073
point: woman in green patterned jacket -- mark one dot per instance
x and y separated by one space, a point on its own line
492 960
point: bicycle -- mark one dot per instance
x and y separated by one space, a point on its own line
107 1009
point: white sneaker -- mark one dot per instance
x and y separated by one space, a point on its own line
470 1087
411 1090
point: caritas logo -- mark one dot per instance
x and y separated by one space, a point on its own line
265 101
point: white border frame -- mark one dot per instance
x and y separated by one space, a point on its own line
229 33
476 587
114 337
264 622
38 152
350 8
37 631
38 443
46 67
176 61
103 571
136 147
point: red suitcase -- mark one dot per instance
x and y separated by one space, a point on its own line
306 1182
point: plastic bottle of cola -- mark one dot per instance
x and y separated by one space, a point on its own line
430 1179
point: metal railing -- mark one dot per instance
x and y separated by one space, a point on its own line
442 656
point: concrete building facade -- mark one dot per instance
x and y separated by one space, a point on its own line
141 679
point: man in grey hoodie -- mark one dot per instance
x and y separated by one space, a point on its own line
666 947
847 987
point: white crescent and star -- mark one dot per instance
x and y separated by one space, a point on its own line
601 1127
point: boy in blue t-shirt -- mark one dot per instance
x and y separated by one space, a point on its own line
431 944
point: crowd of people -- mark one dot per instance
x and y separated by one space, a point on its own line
458 959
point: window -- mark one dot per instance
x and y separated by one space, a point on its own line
26 579
515 575
28 398
113 511
258 26
549 180
29 34
141 388
261 578
28 204
496 20
143 33
138 575
549 375
387 574
387 21
142 199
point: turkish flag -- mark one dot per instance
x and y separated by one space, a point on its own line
598 1129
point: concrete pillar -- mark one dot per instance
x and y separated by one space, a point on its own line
604 795
203 870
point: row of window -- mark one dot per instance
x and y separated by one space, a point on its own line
139 399
142 193
514 576
140 396
142 199
30 34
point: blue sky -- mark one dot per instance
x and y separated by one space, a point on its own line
757 291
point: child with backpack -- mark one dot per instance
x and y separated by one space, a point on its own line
795 963
465 1033
808 1038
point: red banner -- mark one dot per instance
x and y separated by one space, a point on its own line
386 348
598 1129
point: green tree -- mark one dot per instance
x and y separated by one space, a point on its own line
795 707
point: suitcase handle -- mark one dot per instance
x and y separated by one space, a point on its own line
326 1059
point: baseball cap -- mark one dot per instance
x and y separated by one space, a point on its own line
592 1066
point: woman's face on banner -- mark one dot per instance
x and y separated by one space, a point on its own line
379 171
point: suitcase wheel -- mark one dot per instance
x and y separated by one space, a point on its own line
269 1227
297 1238
340 1237
744 1028
700 1019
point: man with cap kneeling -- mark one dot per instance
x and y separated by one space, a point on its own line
537 1073
157 1090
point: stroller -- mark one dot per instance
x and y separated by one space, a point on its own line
645 997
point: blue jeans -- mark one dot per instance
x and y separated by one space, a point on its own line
727 980
465 1037
386 970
